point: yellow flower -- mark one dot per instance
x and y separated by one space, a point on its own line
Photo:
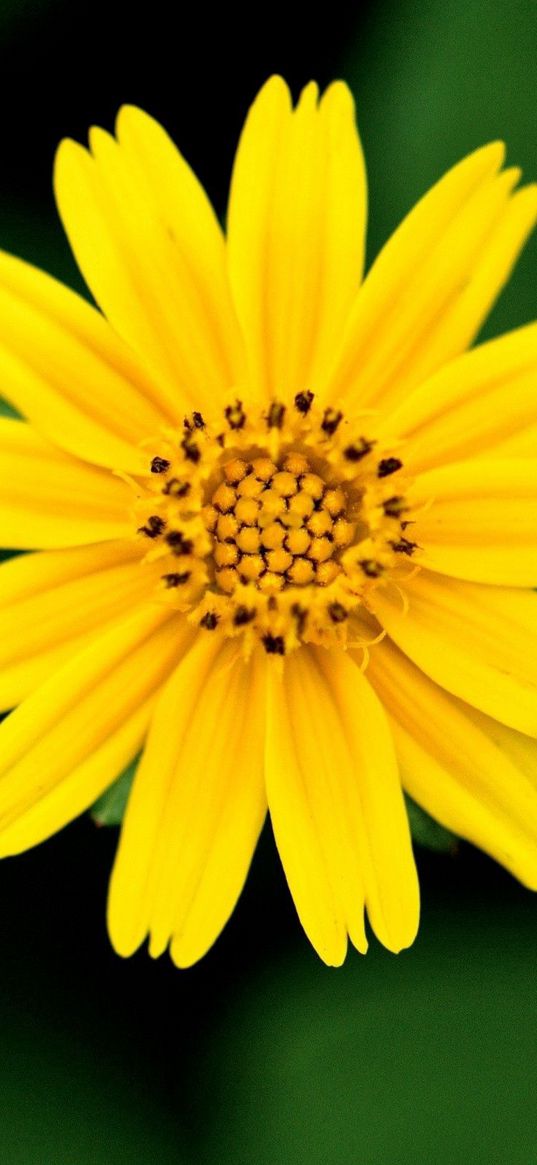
285 528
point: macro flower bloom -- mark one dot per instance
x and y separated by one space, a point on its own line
284 528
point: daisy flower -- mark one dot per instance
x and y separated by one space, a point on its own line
284 528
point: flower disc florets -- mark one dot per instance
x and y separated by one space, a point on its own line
274 524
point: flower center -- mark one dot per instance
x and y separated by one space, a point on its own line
274 525
277 525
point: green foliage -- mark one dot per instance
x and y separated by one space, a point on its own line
13 11
420 1058
426 831
432 82
7 410
109 809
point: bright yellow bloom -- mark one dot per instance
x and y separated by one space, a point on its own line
286 528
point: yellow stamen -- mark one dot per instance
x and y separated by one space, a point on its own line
273 536
263 468
235 470
250 486
279 560
249 539
297 541
251 566
227 579
320 523
246 510
301 572
301 505
321 549
334 501
224 497
285 484
226 554
313 485
296 464
226 527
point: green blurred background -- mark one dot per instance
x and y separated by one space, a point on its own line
260 1055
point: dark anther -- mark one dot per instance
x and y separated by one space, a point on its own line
153 527
176 488
273 644
388 465
301 616
394 507
243 615
331 420
404 546
337 612
176 580
209 621
178 543
358 449
303 402
235 415
190 449
275 417
197 422
370 568
159 465
221 440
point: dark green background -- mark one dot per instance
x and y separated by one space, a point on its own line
260 1055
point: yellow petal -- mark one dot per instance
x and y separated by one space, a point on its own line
64 368
478 642
48 499
296 229
475 776
27 575
433 284
54 603
336 805
482 521
481 404
521 442
196 807
72 737
150 248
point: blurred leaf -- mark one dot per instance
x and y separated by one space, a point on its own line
38 238
7 410
110 808
426 831
428 1056
433 81
5 554
75 1089
12 11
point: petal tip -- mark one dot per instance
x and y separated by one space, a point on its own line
66 150
129 117
121 939
338 98
309 95
275 91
